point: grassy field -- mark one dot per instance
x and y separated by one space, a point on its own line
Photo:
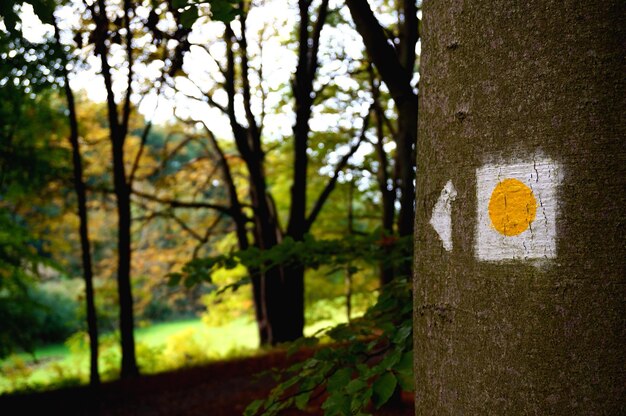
167 341
160 347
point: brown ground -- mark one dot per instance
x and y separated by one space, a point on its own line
219 389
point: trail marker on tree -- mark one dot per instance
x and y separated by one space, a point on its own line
522 107
441 219
517 209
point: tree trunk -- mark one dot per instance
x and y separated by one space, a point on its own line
387 189
85 246
405 161
124 290
522 310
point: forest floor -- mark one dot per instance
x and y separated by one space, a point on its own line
222 388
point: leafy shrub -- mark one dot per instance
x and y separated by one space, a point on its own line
33 316
370 359
149 358
16 372
183 350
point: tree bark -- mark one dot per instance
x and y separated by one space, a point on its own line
118 130
526 84
395 64
85 245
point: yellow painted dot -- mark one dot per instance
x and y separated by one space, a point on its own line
512 207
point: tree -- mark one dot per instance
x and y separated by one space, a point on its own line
104 35
32 163
81 196
278 291
393 55
522 111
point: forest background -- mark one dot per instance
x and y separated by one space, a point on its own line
226 174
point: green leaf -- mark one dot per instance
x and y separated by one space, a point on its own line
8 15
390 360
302 400
223 10
253 408
44 9
402 334
405 365
177 4
339 380
337 404
406 381
189 17
355 385
384 387
174 279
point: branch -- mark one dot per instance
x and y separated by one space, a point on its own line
206 96
100 34
317 208
129 54
409 35
260 75
245 81
315 37
381 51
208 51
239 132
174 203
142 145
205 238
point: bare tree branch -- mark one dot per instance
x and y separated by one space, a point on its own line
126 110
381 50
321 200
174 203
142 145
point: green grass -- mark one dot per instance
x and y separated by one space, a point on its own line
240 333
164 346
48 351
56 361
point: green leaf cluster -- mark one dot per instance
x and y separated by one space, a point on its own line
310 252
366 363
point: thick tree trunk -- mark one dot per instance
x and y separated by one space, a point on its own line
522 311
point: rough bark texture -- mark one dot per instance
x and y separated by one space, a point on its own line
505 81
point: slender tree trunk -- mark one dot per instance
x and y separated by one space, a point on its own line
405 162
523 112
124 250
118 129
387 187
395 63
81 196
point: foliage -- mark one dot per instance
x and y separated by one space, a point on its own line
34 316
29 314
368 360
310 252
160 347
175 162
369 357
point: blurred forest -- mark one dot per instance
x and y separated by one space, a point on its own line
188 181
